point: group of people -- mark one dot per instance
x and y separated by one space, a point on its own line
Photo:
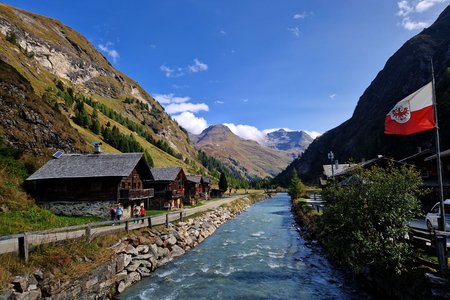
116 212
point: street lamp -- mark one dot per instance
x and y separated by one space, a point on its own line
331 158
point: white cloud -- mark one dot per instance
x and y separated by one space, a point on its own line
406 8
176 71
245 100
175 108
111 52
427 4
294 30
198 66
300 15
267 131
409 24
170 98
247 132
191 123
223 32
219 102
313 134
153 46
332 96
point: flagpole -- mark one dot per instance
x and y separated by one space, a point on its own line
438 156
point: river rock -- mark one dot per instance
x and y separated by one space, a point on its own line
145 272
134 265
172 240
142 249
177 251
129 249
158 241
154 250
121 276
127 258
144 256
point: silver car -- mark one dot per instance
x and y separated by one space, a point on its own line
432 217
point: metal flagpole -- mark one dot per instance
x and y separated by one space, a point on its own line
438 156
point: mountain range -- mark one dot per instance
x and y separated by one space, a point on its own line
362 136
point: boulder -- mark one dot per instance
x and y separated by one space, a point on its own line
145 272
127 258
176 251
121 276
134 265
20 284
142 248
129 249
144 256
154 250
172 240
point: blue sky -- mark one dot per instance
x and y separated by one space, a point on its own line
252 64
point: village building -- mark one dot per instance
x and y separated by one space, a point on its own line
206 187
193 188
90 184
168 184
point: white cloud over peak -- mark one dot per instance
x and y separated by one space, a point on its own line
191 123
247 132
409 24
175 108
313 134
170 98
267 131
406 8
108 50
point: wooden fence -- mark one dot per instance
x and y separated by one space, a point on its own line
23 242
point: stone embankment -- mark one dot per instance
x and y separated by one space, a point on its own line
135 258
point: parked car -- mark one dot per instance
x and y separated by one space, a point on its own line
432 217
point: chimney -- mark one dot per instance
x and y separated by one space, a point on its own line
98 148
380 155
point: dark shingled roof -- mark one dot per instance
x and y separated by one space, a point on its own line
194 178
88 165
165 174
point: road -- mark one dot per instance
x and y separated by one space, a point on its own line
35 239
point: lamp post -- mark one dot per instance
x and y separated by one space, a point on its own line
331 158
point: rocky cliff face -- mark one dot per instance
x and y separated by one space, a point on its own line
362 136
292 142
248 157
44 50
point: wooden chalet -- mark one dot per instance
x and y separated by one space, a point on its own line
206 187
89 184
168 184
193 189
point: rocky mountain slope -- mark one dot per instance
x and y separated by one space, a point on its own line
248 157
362 136
48 69
292 142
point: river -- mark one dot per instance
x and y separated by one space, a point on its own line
258 255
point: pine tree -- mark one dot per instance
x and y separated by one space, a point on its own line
223 184
296 188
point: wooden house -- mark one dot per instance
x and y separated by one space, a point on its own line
206 187
90 184
168 184
193 188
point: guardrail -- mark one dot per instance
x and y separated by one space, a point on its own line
23 242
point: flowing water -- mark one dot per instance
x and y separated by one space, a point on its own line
258 255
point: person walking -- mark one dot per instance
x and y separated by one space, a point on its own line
136 213
142 212
119 212
112 212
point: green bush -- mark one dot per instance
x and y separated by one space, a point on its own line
365 223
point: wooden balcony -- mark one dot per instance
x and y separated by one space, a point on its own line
136 194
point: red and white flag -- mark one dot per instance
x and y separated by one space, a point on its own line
413 114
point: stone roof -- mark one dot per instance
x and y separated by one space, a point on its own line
88 165
165 174
194 178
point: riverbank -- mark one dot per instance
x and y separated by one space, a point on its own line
134 257
417 283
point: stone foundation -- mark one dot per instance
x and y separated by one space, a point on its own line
80 208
